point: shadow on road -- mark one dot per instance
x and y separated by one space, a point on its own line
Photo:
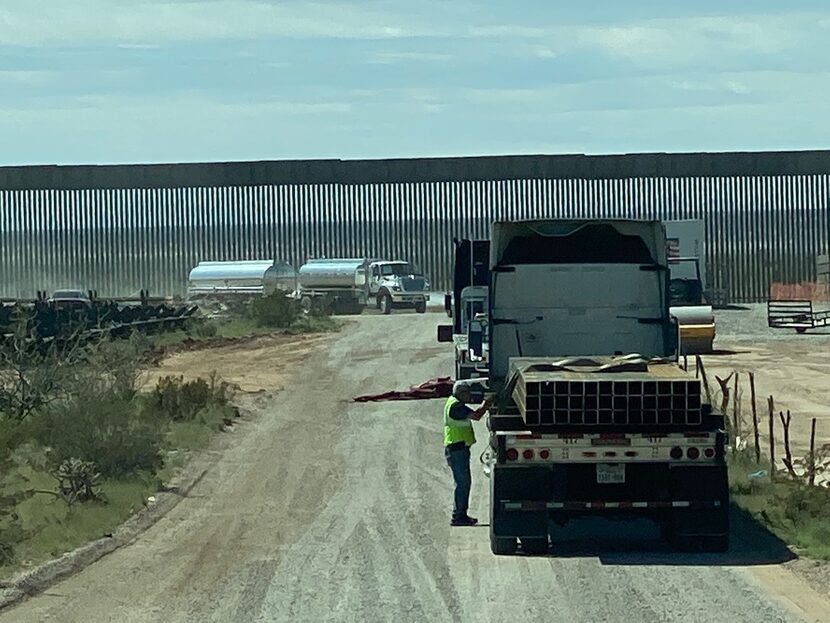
725 352
638 542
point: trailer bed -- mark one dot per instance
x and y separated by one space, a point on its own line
796 314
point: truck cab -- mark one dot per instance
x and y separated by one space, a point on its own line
593 414
397 284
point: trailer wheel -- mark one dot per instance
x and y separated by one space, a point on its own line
385 303
305 304
502 546
421 307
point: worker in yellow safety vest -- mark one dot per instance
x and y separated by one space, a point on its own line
458 437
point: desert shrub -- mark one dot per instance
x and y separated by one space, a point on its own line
275 310
112 367
181 400
11 532
802 503
105 429
33 375
203 328
78 481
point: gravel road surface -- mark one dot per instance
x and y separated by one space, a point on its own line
326 510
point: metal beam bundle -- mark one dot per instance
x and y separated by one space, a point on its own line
586 396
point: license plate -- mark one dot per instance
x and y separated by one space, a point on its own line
610 474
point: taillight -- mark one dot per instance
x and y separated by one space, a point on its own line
709 453
676 453
512 454
528 454
693 453
544 454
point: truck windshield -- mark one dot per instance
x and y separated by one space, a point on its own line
397 269
685 292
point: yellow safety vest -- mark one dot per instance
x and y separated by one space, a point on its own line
457 430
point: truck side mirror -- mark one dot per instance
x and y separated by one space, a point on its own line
448 304
445 332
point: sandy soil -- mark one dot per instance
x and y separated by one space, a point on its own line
328 510
794 369
251 365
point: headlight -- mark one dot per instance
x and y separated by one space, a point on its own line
396 288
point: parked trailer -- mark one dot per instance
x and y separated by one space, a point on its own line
240 278
796 314
350 284
592 414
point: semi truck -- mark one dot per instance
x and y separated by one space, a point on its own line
467 306
592 413
687 286
349 285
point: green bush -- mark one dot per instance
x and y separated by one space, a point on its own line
275 310
120 438
113 366
202 328
181 400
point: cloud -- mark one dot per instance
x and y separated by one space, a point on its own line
148 22
391 58
26 77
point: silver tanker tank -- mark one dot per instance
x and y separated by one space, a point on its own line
333 273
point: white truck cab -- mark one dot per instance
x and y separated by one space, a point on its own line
397 284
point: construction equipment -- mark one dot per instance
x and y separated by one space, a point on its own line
593 414
71 314
689 305
348 285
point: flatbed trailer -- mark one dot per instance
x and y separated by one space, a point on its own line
592 414
796 314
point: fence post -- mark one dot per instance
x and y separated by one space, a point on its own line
788 455
736 424
755 418
771 404
812 467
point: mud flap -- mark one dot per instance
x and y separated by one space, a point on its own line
700 485
526 484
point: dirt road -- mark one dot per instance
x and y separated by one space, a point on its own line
325 510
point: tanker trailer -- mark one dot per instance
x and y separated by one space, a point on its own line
339 284
348 285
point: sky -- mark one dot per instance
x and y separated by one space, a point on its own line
128 81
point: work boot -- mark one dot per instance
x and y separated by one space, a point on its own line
465 520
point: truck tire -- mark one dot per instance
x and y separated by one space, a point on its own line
535 546
502 546
421 307
385 303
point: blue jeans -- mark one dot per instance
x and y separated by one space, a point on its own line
459 461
